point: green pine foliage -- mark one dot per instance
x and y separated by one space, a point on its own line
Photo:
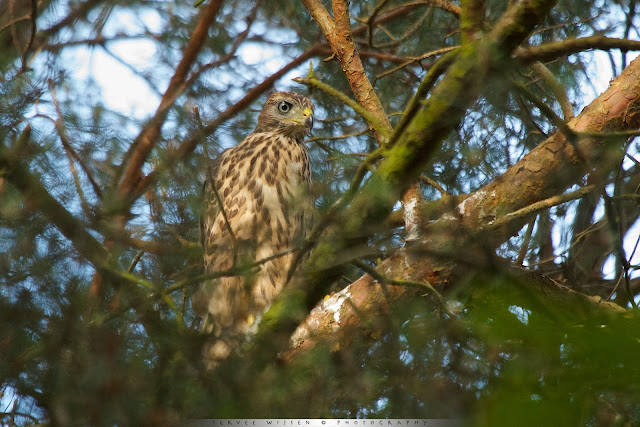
107 336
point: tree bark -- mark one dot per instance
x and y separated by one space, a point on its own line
548 170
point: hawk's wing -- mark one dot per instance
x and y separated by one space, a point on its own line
212 171
218 252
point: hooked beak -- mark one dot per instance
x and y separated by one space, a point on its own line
307 114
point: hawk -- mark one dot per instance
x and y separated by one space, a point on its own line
256 206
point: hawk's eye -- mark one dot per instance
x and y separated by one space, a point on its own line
284 107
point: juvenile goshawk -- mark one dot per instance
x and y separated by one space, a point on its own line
256 205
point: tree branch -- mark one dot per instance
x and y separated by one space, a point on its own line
190 144
557 89
539 206
554 165
471 19
32 189
553 50
365 299
141 147
437 116
338 34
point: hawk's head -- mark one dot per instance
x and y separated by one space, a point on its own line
287 113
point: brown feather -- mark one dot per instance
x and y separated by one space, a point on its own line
258 197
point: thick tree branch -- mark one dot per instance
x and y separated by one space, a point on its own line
334 318
555 165
437 116
471 19
553 50
338 33
534 179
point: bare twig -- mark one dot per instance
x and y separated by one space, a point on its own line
14 21
135 261
410 31
413 60
398 282
70 151
333 138
232 52
369 21
570 24
524 248
99 40
404 9
115 233
33 15
541 205
569 133
615 228
238 270
434 184
211 179
628 25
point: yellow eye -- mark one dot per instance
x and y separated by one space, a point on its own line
284 107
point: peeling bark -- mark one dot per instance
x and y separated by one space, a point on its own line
555 165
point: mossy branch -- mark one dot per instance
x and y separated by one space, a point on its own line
438 68
553 50
373 120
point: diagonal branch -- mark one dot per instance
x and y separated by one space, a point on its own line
190 144
93 251
557 89
555 164
403 163
38 195
338 33
141 147
536 207
503 206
